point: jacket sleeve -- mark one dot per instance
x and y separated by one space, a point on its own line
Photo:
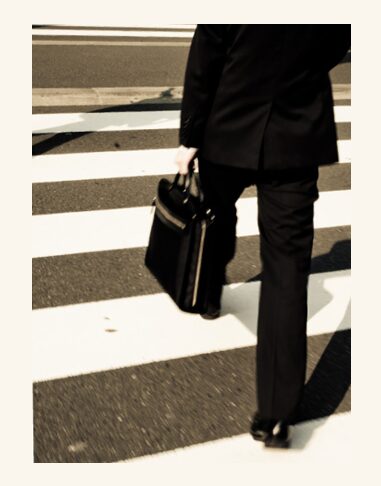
203 71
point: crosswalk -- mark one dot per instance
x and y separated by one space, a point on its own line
120 374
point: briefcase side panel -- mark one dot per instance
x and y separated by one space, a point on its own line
206 268
197 285
187 302
166 255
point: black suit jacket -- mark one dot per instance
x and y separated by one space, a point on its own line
253 90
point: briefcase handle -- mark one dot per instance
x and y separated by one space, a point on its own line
187 182
187 178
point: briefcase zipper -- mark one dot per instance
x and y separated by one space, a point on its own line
167 214
199 260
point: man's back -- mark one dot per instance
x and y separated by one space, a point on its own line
262 89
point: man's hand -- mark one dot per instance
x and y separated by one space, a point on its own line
184 156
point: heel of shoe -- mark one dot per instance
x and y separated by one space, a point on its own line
210 315
277 443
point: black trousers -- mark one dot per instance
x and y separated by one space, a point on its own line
285 220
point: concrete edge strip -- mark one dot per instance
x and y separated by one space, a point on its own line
125 96
109 43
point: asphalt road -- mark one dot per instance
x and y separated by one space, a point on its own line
117 414
77 66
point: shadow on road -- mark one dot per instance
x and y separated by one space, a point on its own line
165 102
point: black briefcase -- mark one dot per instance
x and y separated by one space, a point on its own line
181 241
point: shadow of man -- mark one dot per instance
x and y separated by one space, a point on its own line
328 389
241 299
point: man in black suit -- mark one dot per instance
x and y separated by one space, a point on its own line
257 108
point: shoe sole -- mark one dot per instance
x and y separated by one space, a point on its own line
210 317
262 437
277 444
270 442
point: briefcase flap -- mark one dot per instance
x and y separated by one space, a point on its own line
179 202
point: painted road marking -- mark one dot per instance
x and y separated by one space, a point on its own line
112 33
325 440
103 122
109 26
112 229
151 328
111 121
108 43
128 163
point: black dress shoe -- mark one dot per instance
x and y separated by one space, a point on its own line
279 436
261 428
273 432
211 313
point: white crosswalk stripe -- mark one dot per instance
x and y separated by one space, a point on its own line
106 122
107 43
87 337
331 444
80 330
127 163
111 26
111 229
113 33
